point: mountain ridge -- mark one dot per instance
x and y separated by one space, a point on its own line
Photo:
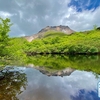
61 28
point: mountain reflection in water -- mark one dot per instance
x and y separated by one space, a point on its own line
31 84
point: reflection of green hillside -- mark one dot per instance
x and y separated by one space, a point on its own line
58 62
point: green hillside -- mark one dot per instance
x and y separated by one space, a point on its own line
51 33
79 42
57 42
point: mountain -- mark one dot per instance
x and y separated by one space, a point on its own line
51 30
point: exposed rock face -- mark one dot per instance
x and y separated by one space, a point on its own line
61 28
30 38
64 29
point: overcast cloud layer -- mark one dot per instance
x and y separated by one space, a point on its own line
30 16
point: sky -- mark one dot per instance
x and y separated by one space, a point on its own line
30 16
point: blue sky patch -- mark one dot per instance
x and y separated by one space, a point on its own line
86 95
84 4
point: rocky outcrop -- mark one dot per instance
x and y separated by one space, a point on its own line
61 28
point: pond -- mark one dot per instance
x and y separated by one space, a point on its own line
52 78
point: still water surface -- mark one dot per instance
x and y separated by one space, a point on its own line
30 83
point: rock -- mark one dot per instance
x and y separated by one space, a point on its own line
60 28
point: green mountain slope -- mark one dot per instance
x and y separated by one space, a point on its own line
57 43
79 42
52 34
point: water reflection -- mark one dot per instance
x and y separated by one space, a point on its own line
31 84
44 80
13 83
52 63
80 85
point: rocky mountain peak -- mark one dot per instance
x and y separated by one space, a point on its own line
60 28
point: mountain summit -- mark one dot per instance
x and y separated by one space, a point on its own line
41 33
60 28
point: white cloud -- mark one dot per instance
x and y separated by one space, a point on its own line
32 16
80 21
5 14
